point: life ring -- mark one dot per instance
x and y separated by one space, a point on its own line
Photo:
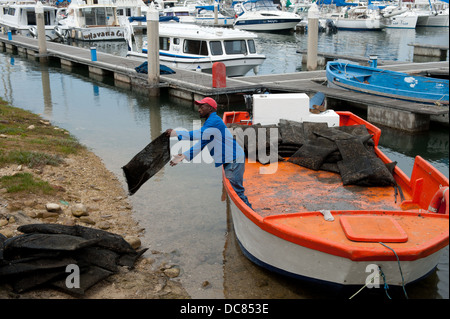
439 203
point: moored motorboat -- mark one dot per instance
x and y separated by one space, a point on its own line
20 17
193 47
357 18
387 83
91 21
263 15
305 223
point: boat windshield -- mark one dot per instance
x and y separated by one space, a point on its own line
99 16
251 46
259 5
195 47
216 48
235 47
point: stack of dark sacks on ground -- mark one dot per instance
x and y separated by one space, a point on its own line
346 150
40 257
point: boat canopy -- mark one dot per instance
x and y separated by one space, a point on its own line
207 8
161 19
338 3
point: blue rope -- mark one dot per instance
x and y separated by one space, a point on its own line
401 273
386 286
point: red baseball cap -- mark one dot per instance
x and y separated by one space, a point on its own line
209 101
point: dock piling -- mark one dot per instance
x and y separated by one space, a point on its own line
42 41
313 35
153 49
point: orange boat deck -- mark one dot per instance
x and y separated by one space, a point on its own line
297 189
287 204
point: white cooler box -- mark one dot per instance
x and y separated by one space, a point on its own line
271 108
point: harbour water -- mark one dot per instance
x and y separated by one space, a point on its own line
181 208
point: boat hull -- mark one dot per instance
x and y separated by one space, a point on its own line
440 20
402 22
266 24
356 25
293 260
113 33
234 67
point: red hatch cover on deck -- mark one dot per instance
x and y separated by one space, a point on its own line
373 229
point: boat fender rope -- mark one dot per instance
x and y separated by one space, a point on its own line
400 269
386 286
439 201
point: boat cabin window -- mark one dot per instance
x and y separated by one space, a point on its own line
99 16
216 48
31 18
176 41
164 43
235 47
124 11
251 46
195 47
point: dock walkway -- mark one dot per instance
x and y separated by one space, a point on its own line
193 85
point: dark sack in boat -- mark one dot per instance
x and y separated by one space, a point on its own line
147 163
311 156
291 133
360 166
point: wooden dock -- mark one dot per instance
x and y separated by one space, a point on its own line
193 85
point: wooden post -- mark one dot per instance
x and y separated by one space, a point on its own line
42 42
153 49
313 34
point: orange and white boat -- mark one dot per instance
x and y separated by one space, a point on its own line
306 223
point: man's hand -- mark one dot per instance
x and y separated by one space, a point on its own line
171 133
177 159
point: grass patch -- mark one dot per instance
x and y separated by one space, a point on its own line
43 145
30 159
25 182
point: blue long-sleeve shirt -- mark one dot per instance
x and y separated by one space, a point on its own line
214 134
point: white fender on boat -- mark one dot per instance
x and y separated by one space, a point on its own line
33 31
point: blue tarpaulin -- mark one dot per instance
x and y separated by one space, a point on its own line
143 68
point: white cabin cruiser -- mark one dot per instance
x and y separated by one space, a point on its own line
357 18
263 15
193 47
20 18
91 22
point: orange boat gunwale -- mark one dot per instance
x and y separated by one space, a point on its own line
424 182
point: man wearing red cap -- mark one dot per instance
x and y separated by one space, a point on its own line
223 148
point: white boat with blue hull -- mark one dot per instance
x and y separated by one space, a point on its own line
263 15
193 47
